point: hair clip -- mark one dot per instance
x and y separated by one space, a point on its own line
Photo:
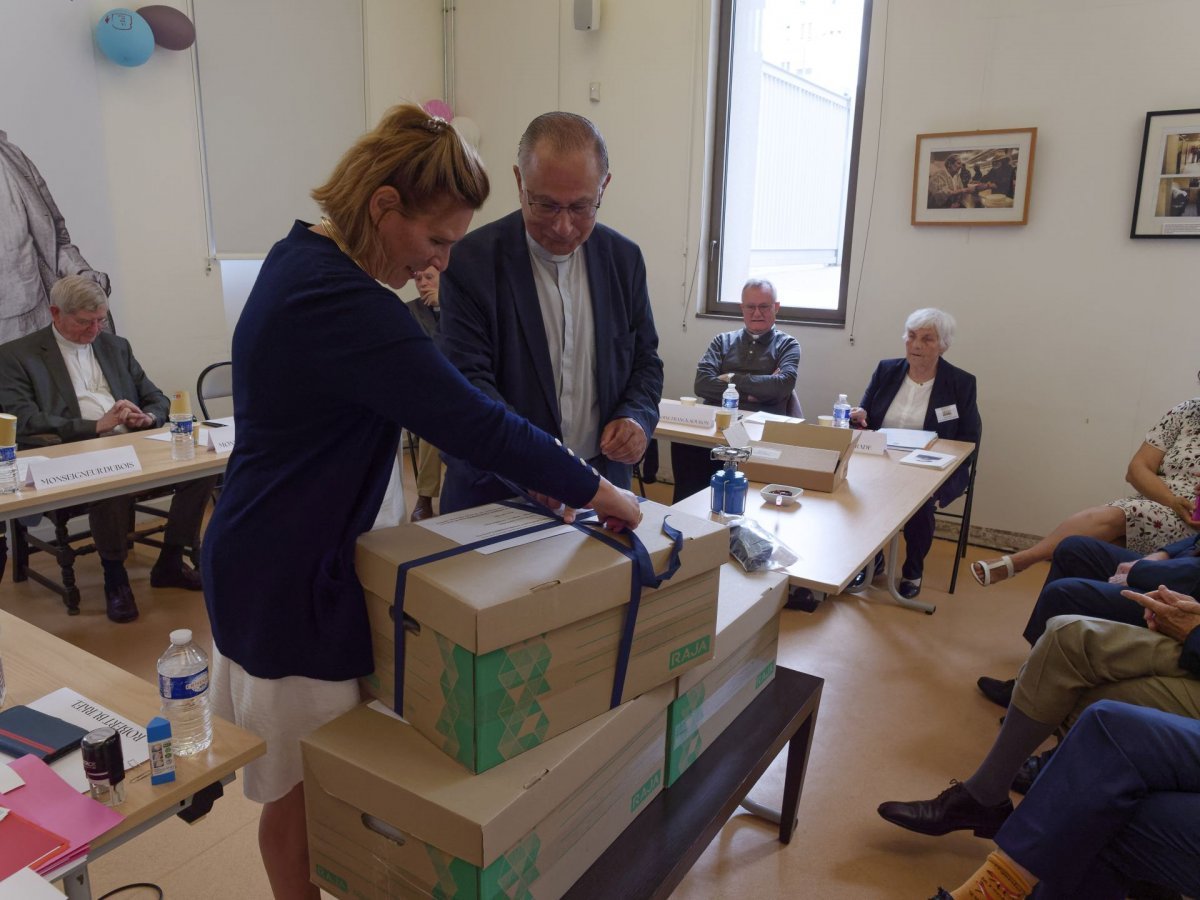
435 124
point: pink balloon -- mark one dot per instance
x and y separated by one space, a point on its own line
172 29
438 108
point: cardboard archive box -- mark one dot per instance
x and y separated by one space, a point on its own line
390 815
514 647
813 457
712 695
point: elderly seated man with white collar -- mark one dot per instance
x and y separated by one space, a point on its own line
75 380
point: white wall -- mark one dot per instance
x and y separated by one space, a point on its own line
1080 337
166 300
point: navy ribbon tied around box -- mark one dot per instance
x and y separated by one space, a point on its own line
642 575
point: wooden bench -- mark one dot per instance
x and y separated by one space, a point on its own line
653 854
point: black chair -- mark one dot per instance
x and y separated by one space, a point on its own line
964 517
215 381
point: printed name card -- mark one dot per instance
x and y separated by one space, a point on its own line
871 442
83 467
219 440
696 416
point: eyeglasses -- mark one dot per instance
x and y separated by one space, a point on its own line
88 321
548 212
755 308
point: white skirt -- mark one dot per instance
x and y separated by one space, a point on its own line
280 711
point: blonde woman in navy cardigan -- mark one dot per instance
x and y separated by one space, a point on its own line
924 392
323 363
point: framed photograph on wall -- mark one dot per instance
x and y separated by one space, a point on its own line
1167 201
973 177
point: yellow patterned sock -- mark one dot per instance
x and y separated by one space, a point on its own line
995 880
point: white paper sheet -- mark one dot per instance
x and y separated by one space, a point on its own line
469 525
71 707
28 885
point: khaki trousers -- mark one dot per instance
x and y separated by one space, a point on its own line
1079 660
429 470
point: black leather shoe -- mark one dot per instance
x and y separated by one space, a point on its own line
952 810
178 576
860 580
999 692
1029 771
121 606
803 599
909 589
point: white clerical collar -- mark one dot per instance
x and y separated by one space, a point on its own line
758 337
543 254
68 344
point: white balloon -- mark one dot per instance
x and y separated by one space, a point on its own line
467 130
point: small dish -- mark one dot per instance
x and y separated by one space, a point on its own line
781 494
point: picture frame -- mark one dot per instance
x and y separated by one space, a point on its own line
951 183
1166 203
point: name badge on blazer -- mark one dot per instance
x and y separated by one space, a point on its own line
946 413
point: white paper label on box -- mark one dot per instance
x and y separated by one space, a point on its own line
736 435
81 467
491 521
871 442
695 416
765 453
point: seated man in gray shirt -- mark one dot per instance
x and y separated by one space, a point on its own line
759 360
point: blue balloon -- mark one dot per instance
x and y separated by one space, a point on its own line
125 37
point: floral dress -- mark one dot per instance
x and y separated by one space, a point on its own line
1150 525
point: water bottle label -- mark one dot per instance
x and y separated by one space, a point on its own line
182 427
183 687
8 454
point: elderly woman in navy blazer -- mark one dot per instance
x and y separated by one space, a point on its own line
922 391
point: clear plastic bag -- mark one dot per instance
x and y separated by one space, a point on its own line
756 548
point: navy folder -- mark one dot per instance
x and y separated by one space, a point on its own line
26 731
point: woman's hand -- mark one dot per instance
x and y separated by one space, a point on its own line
1185 508
858 417
618 509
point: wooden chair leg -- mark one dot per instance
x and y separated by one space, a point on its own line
65 556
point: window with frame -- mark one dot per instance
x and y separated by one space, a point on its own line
785 161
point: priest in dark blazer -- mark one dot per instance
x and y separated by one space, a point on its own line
73 380
924 392
548 312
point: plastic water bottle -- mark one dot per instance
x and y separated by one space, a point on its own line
183 686
183 446
10 480
729 399
841 412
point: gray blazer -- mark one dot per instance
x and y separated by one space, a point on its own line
36 387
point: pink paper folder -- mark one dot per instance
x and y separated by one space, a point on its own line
48 801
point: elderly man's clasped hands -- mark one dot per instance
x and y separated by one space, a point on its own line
127 413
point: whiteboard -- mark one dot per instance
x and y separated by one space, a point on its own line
282 96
